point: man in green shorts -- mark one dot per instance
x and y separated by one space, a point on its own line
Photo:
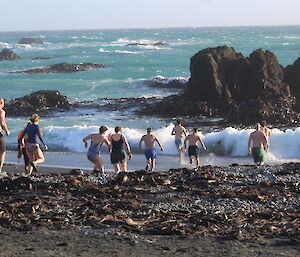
259 142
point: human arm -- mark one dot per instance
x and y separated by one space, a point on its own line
140 143
41 138
159 143
127 146
173 131
185 140
3 123
202 143
249 144
85 139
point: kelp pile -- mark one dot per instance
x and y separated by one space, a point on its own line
236 202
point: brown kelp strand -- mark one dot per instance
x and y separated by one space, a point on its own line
236 201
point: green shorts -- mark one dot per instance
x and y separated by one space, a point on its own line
258 154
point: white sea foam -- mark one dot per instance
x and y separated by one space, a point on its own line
227 142
167 80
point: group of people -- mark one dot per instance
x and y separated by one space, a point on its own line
117 144
119 148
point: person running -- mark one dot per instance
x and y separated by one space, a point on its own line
93 153
259 142
117 153
33 151
193 150
149 140
267 132
3 126
179 132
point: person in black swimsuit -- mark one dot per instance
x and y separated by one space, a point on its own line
118 154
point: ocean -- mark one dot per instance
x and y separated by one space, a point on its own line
132 58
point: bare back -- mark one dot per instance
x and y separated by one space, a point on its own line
179 131
258 139
193 139
149 141
98 138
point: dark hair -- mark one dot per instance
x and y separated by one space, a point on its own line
117 129
102 129
149 130
178 122
195 130
264 123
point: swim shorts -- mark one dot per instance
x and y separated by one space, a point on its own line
193 150
117 156
31 147
178 142
150 154
258 154
2 144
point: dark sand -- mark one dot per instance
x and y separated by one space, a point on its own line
115 241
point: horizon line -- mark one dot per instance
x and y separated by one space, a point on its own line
152 28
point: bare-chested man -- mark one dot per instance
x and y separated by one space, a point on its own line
267 132
259 142
193 148
3 126
179 132
150 152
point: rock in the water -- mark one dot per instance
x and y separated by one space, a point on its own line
41 101
292 77
63 68
8 55
29 41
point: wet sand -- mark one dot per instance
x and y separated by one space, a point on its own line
159 194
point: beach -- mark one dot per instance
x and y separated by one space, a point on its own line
233 210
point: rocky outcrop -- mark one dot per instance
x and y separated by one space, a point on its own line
292 77
8 55
42 102
244 90
62 68
223 73
29 41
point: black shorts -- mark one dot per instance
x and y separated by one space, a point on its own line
2 144
117 156
193 150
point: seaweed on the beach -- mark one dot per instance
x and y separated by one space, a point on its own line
239 202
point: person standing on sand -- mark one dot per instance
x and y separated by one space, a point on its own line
179 132
259 142
193 148
117 153
149 140
33 151
267 132
93 153
3 126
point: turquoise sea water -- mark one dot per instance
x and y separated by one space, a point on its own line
132 58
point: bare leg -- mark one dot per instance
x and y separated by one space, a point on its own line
124 166
191 160
116 167
197 162
39 156
29 168
152 164
2 158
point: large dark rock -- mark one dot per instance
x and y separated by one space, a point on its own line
43 101
29 41
244 90
62 68
8 55
221 72
292 77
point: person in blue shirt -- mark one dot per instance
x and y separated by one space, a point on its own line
34 153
